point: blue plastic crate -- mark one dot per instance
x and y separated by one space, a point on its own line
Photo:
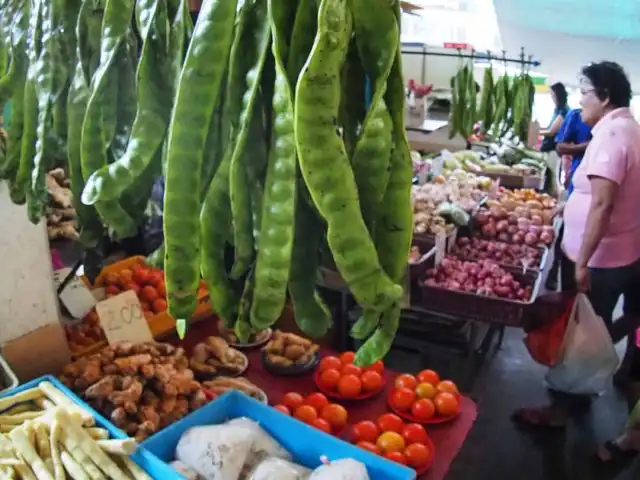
306 444
156 468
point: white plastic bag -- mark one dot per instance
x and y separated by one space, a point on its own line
345 469
264 445
588 358
272 468
216 452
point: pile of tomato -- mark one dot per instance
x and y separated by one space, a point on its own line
147 282
339 377
315 410
425 396
396 440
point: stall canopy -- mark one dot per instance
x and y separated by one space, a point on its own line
567 34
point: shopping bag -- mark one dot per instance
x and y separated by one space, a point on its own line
545 342
588 358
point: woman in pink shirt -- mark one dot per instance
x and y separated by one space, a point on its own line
601 243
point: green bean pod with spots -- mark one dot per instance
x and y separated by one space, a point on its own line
279 206
394 223
196 98
310 311
153 109
302 37
245 70
325 165
353 101
215 222
242 327
99 122
16 35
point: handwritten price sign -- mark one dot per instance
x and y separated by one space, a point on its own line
122 319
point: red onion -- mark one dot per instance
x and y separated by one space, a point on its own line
531 239
518 238
489 230
482 217
524 223
546 238
503 237
502 226
536 220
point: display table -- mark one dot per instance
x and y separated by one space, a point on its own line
447 438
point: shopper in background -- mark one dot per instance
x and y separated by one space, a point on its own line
560 98
572 140
601 244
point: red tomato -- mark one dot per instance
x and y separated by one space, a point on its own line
145 305
429 376
156 277
447 404
317 401
110 279
349 386
423 409
417 454
141 275
397 457
376 367
329 378
292 400
125 276
390 442
112 290
426 390
447 386
336 415
161 288
414 433
365 431
350 369
347 357
403 398
330 362
283 408
369 446
306 414
133 286
149 294
322 424
390 422
160 305
371 381
405 381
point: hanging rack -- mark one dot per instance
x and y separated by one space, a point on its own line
489 56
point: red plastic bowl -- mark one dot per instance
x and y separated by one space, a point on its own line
435 420
336 396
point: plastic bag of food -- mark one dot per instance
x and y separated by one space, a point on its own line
216 452
345 469
264 446
272 467
185 471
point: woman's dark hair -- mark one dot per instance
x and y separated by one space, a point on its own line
610 81
562 97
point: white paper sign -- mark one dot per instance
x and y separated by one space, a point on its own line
122 319
441 247
76 297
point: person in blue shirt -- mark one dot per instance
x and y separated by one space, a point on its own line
572 139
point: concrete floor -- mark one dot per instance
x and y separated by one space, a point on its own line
497 450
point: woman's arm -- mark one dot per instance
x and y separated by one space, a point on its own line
554 128
571 148
603 196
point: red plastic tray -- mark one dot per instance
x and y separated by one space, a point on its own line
435 420
336 396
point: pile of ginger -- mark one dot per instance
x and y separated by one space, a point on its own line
141 387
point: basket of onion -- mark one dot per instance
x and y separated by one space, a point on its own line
514 255
482 290
520 226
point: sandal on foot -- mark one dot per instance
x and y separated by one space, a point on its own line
616 454
538 417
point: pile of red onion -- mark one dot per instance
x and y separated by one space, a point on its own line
484 277
522 226
510 254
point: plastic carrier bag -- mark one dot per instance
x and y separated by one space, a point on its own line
588 358
277 468
346 469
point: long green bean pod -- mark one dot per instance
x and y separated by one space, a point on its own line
153 109
245 70
196 97
98 127
325 165
279 203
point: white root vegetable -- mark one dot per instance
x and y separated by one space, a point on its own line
42 443
25 449
134 469
18 418
21 408
126 446
9 462
76 435
98 433
84 460
24 396
7 428
61 400
72 467
58 466
44 403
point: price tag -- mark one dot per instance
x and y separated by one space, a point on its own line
441 247
76 297
122 319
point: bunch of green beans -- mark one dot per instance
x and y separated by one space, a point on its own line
257 118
